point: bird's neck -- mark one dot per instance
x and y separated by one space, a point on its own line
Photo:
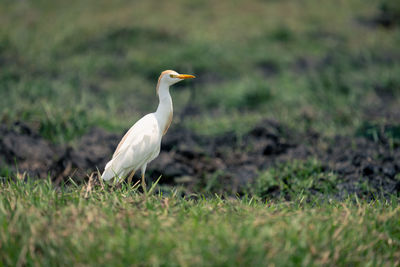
164 110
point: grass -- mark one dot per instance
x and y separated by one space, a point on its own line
41 225
97 63
66 67
305 178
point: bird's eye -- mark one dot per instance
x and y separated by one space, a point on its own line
171 75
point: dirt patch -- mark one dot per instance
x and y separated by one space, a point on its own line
224 163
26 150
23 150
268 68
359 162
388 16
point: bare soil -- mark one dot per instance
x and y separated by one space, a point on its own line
229 161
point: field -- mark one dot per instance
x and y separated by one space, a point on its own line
285 150
41 226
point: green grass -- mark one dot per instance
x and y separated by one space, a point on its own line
66 68
41 225
299 178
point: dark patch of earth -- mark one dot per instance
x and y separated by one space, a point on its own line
197 161
388 16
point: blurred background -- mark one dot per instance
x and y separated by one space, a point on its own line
285 150
331 67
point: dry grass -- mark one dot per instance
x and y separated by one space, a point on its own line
119 226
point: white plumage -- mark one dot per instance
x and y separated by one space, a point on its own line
141 144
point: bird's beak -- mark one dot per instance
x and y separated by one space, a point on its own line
184 76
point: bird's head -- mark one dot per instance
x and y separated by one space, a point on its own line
170 77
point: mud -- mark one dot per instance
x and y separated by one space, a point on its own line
23 151
225 163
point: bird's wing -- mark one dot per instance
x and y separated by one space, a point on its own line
145 126
138 145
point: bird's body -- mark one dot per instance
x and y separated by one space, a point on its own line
143 138
141 144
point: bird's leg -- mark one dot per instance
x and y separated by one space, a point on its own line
144 184
144 180
131 176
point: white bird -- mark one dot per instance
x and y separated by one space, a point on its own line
141 144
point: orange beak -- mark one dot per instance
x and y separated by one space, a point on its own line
185 76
